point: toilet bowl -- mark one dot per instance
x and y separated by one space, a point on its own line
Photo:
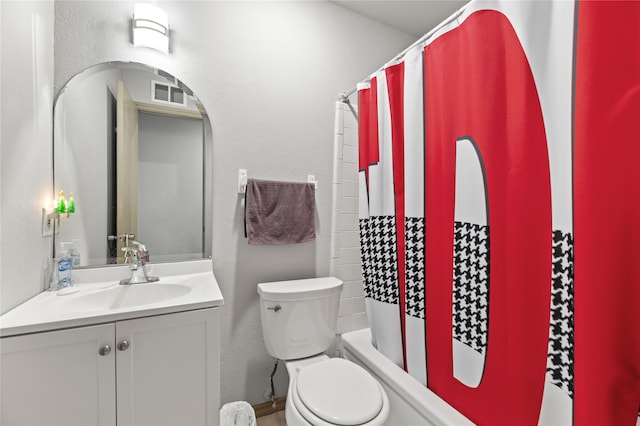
298 323
333 391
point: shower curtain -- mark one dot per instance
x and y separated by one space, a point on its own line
499 211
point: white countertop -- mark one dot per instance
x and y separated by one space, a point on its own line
97 298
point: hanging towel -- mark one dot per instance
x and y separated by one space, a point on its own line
280 212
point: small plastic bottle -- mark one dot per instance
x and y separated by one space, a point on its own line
74 253
63 267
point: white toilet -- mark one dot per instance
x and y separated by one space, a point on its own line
298 324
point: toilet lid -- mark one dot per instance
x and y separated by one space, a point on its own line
339 392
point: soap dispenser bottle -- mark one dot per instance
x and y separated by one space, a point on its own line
63 267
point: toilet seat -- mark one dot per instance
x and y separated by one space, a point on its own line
337 392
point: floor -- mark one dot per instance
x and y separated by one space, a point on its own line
275 419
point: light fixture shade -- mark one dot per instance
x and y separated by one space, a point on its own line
151 28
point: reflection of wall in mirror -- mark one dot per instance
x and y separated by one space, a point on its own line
170 185
87 139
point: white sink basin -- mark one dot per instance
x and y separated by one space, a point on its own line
96 297
124 296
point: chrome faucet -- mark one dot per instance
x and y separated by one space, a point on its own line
140 256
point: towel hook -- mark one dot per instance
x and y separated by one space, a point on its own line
242 181
312 179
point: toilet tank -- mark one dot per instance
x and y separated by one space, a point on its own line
299 317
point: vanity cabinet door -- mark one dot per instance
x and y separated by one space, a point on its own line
62 377
168 369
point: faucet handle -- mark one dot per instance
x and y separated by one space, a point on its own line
129 252
138 244
141 253
143 256
140 256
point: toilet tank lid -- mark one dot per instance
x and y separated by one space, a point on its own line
299 289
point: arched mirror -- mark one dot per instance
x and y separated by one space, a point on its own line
134 145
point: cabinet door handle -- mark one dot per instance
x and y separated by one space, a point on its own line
105 350
123 345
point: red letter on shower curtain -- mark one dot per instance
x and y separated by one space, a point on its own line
368 150
607 214
478 83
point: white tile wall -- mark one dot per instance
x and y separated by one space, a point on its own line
345 244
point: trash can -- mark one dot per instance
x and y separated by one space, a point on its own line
238 413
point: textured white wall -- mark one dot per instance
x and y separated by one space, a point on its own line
26 87
268 74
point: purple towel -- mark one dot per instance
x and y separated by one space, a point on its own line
280 212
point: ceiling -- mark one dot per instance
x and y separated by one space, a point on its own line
416 17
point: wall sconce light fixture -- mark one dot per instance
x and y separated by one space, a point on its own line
150 28
58 208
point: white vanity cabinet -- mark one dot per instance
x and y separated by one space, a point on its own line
170 372
157 370
58 378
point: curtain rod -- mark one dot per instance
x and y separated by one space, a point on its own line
344 96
